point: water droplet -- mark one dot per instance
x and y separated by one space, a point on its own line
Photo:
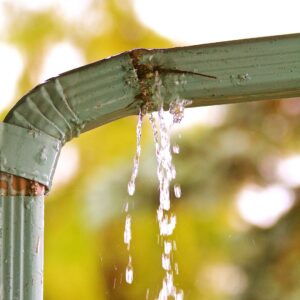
177 190
129 272
167 225
176 149
129 275
179 295
136 160
127 231
126 207
168 247
131 187
176 268
166 263
177 109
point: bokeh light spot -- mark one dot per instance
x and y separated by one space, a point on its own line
12 64
264 206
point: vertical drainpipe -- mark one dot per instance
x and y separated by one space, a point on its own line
22 238
53 113
31 155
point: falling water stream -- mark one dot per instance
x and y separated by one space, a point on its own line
131 190
166 173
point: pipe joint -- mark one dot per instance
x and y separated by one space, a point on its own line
28 153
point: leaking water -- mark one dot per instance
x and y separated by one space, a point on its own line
129 272
176 149
177 190
166 173
127 231
136 160
131 190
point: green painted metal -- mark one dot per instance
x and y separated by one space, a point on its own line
28 153
21 244
245 70
82 99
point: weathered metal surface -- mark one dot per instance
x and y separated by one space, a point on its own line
80 100
228 72
245 70
22 247
28 153
11 185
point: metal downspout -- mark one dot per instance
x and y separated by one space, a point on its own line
60 109
22 238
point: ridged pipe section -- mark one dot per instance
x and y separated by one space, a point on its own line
22 243
240 71
227 72
21 238
80 100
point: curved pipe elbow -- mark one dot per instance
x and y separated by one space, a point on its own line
60 109
79 100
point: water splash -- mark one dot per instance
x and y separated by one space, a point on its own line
177 108
169 289
166 173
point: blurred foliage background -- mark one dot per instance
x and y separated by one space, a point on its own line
222 254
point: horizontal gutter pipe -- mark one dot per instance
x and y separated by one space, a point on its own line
65 106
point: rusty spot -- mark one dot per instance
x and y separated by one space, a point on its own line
12 185
146 71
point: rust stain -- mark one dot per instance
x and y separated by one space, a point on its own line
12 185
146 71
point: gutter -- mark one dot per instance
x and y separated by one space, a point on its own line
62 108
